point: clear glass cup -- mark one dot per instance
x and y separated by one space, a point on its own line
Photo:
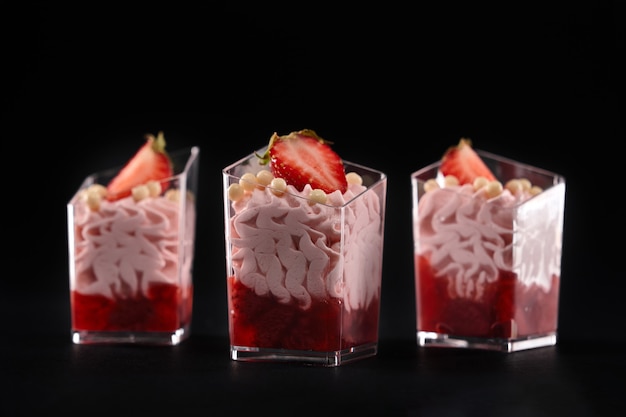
131 261
304 278
488 270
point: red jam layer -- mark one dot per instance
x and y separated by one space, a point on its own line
263 322
508 308
163 309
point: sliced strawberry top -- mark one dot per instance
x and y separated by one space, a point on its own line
151 162
463 162
302 158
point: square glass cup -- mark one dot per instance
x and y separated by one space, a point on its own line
303 277
488 267
131 260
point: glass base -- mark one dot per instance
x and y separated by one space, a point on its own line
306 357
426 339
88 337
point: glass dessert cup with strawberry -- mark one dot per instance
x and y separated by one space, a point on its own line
131 234
487 243
303 259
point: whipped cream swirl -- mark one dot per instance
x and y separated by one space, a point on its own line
291 249
470 238
125 246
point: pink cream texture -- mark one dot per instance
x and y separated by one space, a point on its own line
290 249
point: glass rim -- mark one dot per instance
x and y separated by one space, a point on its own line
557 178
262 150
553 181
380 177
180 169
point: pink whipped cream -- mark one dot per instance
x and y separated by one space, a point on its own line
289 248
125 246
471 237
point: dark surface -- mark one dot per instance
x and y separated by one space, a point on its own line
196 378
392 88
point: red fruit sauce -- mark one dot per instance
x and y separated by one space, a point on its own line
164 309
263 322
504 302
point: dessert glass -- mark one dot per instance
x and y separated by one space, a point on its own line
130 261
304 278
487 274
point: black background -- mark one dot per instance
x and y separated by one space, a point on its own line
392 87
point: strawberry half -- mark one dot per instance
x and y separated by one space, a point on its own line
463 162
151 162
302 158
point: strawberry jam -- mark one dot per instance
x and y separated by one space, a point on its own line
507 309
263 322
163 309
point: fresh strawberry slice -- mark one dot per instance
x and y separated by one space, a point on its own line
302 158
151 162
463 162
